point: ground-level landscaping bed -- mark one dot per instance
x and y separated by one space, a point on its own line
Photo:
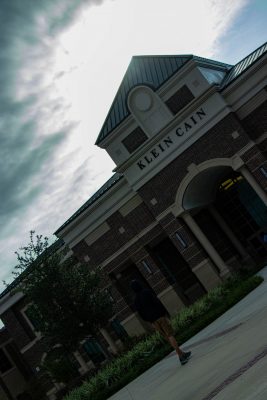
153 348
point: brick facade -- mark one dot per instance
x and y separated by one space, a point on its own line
256 122
179 252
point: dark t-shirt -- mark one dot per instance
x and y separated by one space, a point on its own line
148 306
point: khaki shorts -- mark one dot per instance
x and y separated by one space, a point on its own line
163 326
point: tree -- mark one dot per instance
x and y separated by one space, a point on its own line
67 301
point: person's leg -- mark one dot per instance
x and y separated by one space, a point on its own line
174 344
168 333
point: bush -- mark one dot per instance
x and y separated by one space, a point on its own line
153 348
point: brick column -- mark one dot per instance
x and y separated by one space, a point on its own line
193 253
150 270
158 282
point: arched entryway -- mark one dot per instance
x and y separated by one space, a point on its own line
227 215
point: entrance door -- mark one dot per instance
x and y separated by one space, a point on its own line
177 271
245 213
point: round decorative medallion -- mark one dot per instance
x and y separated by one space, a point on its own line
143 101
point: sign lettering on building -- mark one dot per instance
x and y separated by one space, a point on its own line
172 139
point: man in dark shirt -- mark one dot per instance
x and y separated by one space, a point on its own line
152 310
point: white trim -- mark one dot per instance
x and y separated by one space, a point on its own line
216 162
200 265
9 300
97 233
133 315
97 213
29 345
165 213
244 149
168 289
129 243
261 138
131 205
251 71
37 333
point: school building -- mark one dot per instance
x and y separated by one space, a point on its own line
185 207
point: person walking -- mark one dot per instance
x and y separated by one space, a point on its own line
150 309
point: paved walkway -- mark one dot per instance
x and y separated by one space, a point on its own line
229 360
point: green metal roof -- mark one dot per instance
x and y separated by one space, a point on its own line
147 70
152 71
244 65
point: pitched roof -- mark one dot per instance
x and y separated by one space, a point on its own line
244 65
152 71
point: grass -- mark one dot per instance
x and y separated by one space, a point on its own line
152 349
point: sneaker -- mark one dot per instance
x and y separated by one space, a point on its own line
185 357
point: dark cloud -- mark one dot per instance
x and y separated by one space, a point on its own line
28 31
33 124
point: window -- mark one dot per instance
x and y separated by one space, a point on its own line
180 99
134 140
94 350
5 364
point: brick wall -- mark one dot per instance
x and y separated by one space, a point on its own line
4 336
17 326
104 247
217 142
34 354
256 122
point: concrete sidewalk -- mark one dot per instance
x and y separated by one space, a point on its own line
229 359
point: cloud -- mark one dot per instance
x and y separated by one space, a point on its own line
33 125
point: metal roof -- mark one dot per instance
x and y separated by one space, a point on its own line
152 71
142 70
243 65
111 182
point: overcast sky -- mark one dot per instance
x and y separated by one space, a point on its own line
61 62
